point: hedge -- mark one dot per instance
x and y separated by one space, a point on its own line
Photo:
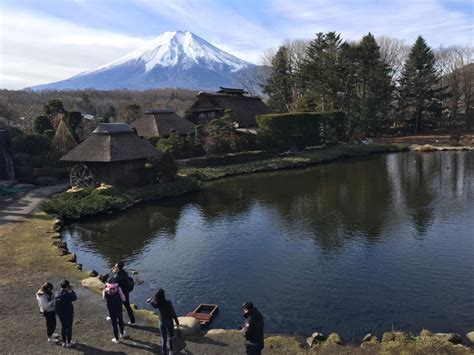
300 129
34 144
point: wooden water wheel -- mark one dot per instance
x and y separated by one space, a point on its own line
82 177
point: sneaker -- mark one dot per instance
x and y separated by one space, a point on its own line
107 318
56 335
64 345
124 334
115 340
131 323
52 340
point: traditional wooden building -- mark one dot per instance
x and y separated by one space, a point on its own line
209 106
160 123
112 154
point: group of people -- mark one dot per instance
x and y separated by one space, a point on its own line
116 294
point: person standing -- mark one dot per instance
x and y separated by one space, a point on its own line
114 298
65 311
252 329
45 298
167 315
126 283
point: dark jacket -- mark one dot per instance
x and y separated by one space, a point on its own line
121 277
166 310
64 306
253 328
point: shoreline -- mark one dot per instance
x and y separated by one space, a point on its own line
43 233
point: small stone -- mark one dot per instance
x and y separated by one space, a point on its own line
71 258
315 338
93 282
449 337
104 278
367 337
79 266
470 336
93 273
334 338
190 327
395 336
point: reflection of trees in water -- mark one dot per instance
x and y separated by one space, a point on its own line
126 235
334 203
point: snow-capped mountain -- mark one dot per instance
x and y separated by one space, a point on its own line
173 59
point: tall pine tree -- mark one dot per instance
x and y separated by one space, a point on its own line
420 95
371 95
279 86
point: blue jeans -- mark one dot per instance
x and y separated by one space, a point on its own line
166 326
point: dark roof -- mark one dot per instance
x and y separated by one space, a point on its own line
160 124
244 107
158 110
233 91
113 128
111 142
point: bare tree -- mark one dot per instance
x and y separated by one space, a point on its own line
393 52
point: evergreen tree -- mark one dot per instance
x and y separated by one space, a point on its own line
321 73
371 94
419 90
221 133
53 108
280 86
41 124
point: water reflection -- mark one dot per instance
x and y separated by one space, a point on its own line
351 246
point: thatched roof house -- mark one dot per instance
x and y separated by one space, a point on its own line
114 154
209 106
159 123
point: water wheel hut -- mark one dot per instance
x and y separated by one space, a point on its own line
112 154
160 122
209 106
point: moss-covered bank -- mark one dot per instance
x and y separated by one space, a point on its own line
296 160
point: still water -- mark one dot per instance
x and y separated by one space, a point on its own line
354 247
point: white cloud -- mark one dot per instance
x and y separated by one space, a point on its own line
35 50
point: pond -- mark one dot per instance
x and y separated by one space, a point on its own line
354 246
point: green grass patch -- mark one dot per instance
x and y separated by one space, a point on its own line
89 202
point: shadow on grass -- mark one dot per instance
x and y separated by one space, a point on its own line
87 349
142 345
145 328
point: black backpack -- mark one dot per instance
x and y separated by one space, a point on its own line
130 284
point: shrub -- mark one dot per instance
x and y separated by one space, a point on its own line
34 144
300 128
221 134
167 169
75 205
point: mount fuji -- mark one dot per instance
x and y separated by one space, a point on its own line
173 59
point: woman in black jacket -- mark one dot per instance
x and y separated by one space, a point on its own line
167 315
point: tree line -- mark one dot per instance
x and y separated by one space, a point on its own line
381 84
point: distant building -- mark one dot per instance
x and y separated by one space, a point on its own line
160 122
112 154
209 106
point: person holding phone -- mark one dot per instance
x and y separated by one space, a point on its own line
252 329
65 311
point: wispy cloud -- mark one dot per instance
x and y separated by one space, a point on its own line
38 49
438 22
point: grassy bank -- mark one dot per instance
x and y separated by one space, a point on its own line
298 160
71 206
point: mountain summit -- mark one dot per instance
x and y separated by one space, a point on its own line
173 59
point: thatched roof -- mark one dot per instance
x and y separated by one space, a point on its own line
160 122
111 142
244 107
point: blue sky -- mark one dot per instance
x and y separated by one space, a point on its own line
48 40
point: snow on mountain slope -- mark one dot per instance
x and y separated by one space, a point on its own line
173 59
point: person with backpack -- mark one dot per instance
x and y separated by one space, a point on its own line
65 311
45 298
114 298
167 315
127 284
